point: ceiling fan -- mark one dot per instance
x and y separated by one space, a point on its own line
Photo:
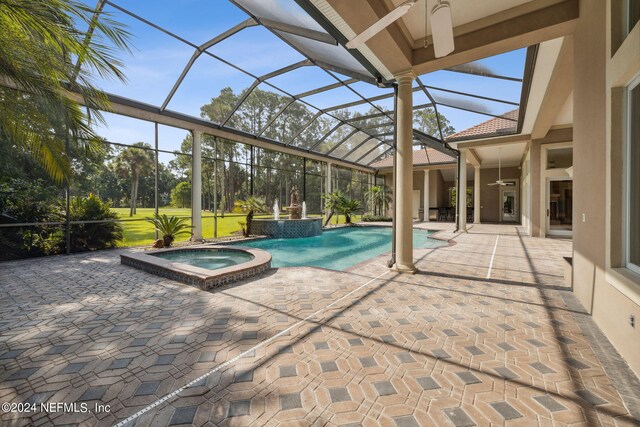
441 28
380 25
500 181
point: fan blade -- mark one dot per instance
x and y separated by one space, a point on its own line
380 25
442 30
494 183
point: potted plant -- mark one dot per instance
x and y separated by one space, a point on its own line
170 227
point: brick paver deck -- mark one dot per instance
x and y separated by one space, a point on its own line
455 344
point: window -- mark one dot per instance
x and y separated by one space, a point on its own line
633 14
632 178
559 158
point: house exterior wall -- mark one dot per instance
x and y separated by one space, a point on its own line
438 188
525 191
441 191
490 210
434 196
604 62
418 184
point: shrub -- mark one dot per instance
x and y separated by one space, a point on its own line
91 236
23 201
338 203
376 218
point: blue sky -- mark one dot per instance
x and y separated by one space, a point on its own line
158 59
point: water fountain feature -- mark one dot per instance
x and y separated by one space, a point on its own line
297 225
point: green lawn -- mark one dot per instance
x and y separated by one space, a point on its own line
138 232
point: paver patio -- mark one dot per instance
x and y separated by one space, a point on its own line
306 346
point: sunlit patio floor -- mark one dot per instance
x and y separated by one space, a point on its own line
487 333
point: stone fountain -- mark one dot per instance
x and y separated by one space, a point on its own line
295 207
297 225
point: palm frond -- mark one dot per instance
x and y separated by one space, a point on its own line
39 43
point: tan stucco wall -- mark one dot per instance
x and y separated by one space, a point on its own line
534 178
590 149
418 184
490 195
438 189
434 197
598 137
442 190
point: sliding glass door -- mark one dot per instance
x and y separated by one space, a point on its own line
559 207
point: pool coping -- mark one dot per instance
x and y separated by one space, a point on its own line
202 278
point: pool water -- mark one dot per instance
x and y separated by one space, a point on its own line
208 259
336 249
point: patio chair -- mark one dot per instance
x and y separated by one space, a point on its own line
442 214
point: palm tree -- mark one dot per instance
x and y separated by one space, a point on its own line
133 162
44 55
348 208
378 197
333 203
251 205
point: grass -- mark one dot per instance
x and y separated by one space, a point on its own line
138 232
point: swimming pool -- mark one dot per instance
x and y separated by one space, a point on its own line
336 249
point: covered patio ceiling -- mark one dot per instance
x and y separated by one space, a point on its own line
483 32
326 101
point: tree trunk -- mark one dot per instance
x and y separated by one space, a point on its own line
209 191
134 202
232 182
133 196
223 189
267 186
328 218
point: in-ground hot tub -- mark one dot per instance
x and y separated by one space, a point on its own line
204 266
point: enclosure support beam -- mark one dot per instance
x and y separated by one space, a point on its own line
425 194
327 189
404 178
476 196
196 186
304 180
155 174
462 192
252 171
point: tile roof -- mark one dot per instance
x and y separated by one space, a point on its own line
493 127
420 157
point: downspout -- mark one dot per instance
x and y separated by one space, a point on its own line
392 260
457 195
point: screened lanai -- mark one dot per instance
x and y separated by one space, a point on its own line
325 100
278 101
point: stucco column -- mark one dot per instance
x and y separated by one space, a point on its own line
425 206
462 192
196 186
476 195
404 171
